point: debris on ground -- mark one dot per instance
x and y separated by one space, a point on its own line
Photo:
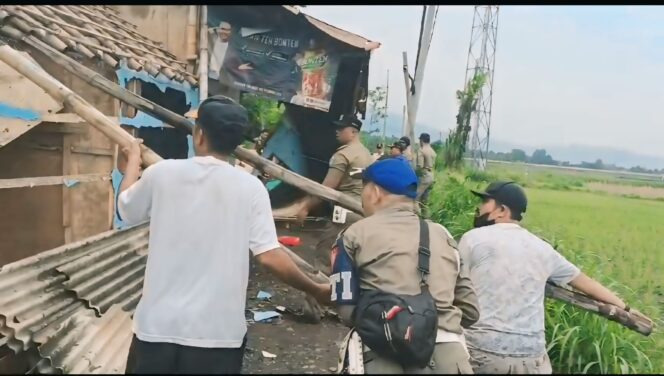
262 316
263 295
268 355
300 347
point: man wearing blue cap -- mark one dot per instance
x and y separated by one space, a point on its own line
382 252
205 215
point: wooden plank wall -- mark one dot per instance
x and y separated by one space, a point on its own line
40 218
162 23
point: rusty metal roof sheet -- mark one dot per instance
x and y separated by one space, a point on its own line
335 32
85 343
45 297
95 31
109 276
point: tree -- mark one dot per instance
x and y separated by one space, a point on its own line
264 114
377 101
519 155
541 157
455 145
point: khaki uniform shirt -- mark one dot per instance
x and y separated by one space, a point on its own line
347 159
426 158
408 154
384 248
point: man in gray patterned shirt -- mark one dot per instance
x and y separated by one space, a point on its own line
509 268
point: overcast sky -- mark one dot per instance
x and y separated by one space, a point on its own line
586 75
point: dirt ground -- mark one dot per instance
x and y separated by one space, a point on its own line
619 189
299 347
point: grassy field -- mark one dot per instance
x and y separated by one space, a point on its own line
614 239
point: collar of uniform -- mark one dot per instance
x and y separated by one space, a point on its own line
402 206
208 160
347 145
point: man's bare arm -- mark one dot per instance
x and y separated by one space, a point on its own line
132 168
281 265
596 290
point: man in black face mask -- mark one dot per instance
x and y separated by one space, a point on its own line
499 196
509 268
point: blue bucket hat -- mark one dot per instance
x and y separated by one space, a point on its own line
394 175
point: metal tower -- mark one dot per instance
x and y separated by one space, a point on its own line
482 59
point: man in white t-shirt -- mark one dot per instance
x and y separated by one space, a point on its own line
509 269
205 215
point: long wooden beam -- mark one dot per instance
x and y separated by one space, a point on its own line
112 130
40 181
111 88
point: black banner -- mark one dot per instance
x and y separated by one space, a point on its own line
282 64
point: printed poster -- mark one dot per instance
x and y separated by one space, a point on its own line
285 65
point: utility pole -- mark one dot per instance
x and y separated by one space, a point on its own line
403 120
414 89
482 59
387 94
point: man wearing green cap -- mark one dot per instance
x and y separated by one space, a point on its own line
381 251
509 268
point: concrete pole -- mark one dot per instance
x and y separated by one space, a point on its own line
412 101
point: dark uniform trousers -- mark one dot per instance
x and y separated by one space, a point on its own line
169 358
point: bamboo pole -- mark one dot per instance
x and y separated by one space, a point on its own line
40 181
30 70
632 320
62 93
109 87
167 116
190 34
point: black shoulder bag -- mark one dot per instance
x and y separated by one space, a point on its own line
401 327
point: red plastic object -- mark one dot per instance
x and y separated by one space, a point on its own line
393 312
290 241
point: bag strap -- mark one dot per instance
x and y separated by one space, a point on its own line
423 252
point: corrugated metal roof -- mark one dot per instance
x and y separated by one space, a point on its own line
335 32
51 301
97 32
342 35
109 276
87 344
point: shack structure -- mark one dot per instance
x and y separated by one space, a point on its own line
68 282
131 46
316 70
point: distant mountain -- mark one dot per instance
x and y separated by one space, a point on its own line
582 153
394 125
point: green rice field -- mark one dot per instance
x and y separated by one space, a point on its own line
614 236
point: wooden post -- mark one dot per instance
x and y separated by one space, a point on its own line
203 55
192 18
109 87
632 320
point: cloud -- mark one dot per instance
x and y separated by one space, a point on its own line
564 74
